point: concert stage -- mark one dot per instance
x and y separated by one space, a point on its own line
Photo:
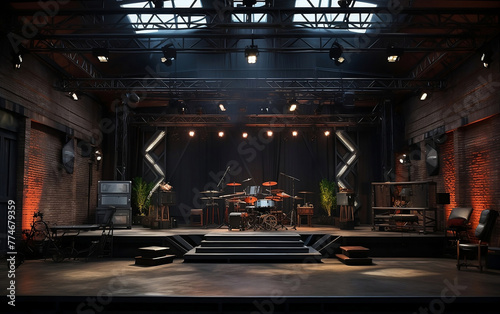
403 278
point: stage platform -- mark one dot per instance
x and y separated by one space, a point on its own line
390 285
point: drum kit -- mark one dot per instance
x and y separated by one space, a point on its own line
256 207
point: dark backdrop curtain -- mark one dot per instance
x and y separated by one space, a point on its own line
198 164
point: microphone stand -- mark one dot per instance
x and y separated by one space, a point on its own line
292 215
225 205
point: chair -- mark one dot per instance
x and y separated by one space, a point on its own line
104 246
458 221
483 234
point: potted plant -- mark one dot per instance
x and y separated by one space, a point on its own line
140 198
328 197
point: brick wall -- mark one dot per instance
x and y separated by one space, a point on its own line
47 115
469 112
48 187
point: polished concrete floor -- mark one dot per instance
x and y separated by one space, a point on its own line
386 277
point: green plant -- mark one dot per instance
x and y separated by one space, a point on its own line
140 195
328 197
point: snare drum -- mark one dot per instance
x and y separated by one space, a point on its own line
264 204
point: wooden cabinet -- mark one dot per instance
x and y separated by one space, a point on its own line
404 206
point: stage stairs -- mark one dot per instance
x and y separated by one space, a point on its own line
250 246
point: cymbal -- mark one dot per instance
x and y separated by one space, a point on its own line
210 192
234 184
276 191
269 183
210 198
283 194
306 192
298 198
231 195
274 198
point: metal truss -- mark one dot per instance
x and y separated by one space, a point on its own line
256 120
152 84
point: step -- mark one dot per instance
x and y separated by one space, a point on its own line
246 243
154 261
311 256
153 251
354 260
249 249
355 251
252 236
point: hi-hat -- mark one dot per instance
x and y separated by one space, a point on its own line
305 192
234 184
283 194
210 192
269 183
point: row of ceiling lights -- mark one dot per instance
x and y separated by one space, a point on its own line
269 133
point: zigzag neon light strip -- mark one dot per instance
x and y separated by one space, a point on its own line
344 138
160 174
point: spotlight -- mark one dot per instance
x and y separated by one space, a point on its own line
295 133
327 133
73 95
222 106
486 59
158 4
344 3
169 55
293 105
251 53
394 54
102 54
221 134
336 53
18 59
405 159
244 134
191 133
98 155
423 96
269 133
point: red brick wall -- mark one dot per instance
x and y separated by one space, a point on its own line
62 197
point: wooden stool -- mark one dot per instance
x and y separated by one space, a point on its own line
199 213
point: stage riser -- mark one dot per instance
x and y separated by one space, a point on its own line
252 243
251 250
405 246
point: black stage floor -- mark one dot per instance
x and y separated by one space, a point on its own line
391 284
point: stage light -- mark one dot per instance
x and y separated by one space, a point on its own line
158 4
486 59
394 54
269 133
405 159
73 95
251 53
327 133
169 55
155 139
295 133
102 54
191 133
18 59
221 134
98 155
244 134
293 105
222 107
423 96
336 53
344 3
